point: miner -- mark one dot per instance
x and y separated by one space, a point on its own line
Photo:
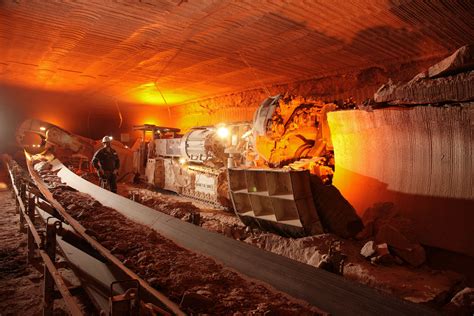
107 163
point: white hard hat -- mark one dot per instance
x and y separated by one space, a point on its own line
107 139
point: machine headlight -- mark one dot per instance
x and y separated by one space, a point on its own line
223 132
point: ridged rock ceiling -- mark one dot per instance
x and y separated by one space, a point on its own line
185 50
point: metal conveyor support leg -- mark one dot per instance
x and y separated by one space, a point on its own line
48 288
127 303
22 219
31 241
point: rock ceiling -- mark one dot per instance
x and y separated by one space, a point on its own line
185 50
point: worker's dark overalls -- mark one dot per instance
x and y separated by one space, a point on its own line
106 162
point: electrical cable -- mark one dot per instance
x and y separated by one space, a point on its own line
167 105
255 74
119 113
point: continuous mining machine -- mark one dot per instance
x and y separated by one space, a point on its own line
286 134
262 167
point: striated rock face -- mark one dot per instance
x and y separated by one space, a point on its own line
192 50
420 159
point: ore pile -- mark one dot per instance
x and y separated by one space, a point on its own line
196 282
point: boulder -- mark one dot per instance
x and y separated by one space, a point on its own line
462 303
415 256
465 298
337 215
384 221
382 249
379 211
367 232
450 80
460 60
400 245
393 237
368 249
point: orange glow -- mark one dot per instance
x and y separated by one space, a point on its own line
52 119
148 119
148 94
51 79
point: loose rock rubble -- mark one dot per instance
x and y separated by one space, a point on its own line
420 285
385 226
20 287
197 282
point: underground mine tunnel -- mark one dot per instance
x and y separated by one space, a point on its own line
218 157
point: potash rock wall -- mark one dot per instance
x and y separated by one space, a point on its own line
419 158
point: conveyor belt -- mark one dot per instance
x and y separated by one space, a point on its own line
327 291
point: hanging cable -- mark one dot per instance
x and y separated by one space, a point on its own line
119 113
167 105
255 74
